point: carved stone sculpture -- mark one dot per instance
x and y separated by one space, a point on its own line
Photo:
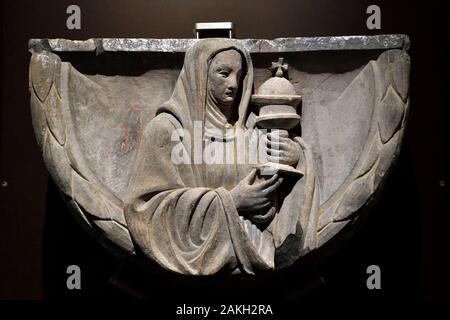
220 157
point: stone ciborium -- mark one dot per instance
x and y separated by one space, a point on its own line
277 103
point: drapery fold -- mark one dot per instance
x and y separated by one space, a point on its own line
178 216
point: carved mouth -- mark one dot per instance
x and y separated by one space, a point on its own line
229 96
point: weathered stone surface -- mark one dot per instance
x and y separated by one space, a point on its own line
42 67
39 120
117 234
109 129
378 42
57 163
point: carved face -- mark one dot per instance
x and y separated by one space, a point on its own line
224 77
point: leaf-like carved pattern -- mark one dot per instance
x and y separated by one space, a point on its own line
116 233
390 114
355 196
42 67
391 71
370 158
52 126
395 68
386 157
329 231
39 120
79 213
89 196
57 163
326 216
53 111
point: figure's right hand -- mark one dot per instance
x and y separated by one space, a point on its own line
250 196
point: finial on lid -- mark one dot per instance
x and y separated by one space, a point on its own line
279 68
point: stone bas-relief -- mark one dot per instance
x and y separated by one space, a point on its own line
227 158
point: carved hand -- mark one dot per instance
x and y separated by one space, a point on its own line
281 149
249 196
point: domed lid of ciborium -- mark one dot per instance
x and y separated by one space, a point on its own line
277 101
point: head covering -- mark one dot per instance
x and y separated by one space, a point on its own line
188 101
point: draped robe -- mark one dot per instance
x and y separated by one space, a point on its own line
182 214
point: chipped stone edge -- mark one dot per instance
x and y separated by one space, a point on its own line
299 44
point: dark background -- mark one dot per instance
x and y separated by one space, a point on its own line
406 234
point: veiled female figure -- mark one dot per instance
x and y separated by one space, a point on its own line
203 218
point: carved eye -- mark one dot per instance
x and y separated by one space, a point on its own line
224 73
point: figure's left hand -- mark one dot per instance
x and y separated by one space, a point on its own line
281 149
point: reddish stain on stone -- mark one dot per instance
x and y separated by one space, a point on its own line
131 129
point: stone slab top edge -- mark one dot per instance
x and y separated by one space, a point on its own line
298 44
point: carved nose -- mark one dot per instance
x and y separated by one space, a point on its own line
232 84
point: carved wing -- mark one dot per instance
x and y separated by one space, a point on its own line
58 134
386 84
